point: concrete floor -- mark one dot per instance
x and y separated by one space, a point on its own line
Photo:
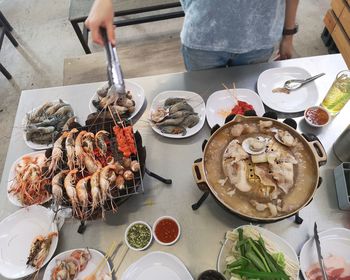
46 38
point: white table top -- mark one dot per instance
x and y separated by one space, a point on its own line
202 230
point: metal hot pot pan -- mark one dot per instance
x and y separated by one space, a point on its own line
209 170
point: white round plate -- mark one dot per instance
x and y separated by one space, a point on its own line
30 144
221 102
297 100
279 243
12 174
17 232
157 266
193 99
138 95
335 241
96 258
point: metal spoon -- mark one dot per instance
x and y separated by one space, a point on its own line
297 83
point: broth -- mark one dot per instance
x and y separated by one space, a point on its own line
305 172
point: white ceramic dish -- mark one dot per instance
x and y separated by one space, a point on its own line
157 266
316 125
138 95
154 230
280 244
193 99
297 100
220 104
335 241
30 144
17 232
126 236
96 258
12 174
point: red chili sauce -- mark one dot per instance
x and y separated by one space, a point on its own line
317 116
166 230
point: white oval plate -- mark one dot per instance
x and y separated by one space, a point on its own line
279 243
221 102
138 95
17 232
31 144
157 266
96 258
297 100
193 99
12 174
335 241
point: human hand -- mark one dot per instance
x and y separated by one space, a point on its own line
286 47
101 15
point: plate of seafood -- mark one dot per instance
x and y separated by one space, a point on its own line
44 123
28 240
270 88
78 264
276 254
27 180
91 167
177 114
157 265
126 107
335 244
222 103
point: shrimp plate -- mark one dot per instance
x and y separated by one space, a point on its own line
17 232
12 174
96 258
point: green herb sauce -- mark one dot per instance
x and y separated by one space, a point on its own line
138 236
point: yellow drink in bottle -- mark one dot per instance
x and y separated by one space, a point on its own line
339 93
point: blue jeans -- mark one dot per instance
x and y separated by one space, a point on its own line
199 60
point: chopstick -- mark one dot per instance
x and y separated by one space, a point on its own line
121 258
233 91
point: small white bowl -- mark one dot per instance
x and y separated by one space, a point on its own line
154 230
317 125
126 236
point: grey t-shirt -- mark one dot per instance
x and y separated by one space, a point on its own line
235 26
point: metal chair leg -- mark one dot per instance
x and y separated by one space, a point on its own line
5 72
11 38
6 23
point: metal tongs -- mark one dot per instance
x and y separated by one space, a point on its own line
114 71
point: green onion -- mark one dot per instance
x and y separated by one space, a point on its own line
261 274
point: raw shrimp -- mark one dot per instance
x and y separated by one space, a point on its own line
54 108
57 186
190 121
36 115
172 129
181 106
100 142
70 148
68 123
170 122
173 100
64 111
57 153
